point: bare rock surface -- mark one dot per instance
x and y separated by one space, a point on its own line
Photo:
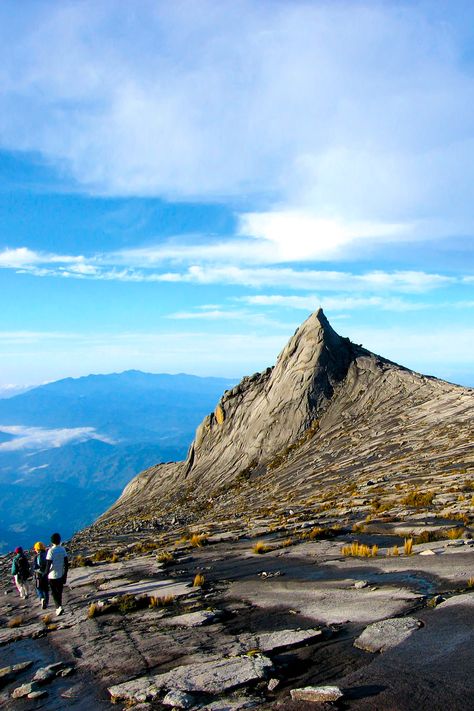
385 634
283 639
193 619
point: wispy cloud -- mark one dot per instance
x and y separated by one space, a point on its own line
304 279
25 257
311 302
39 438
147 265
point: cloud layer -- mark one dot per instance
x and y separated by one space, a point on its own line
281 102
38 438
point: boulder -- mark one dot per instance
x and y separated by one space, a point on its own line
45 674
40 694
9 673
286 639
24 690
316 693
212 677
178 699
382 635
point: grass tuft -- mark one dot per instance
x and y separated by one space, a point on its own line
360 550
161 601
199 581
198 540
260 547
408 546
93 610
454 533
15 622
418 499
165 558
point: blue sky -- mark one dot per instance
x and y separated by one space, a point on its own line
182 183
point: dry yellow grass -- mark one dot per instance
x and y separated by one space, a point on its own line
15 622
199 581
260 547
92 610
393 551
361 550
408 546
161 601
198 540
165 557
454 533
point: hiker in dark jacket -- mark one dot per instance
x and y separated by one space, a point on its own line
21 571
41 577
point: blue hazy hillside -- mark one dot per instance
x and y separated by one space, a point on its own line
68 448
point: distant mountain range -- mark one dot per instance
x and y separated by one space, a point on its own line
68 448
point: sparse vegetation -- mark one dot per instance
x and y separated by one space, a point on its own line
470 582
80 561
165 558
408 546
15 622
199 581
145 547
393 551
454 533
418 499
161 601
198 540
260 547
361 550
92 610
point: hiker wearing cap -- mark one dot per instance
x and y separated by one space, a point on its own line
21 572
41 578
56 568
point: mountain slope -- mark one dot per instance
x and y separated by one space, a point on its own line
313 430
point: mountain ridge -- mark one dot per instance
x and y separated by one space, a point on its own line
330 414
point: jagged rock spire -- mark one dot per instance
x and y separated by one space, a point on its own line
265 413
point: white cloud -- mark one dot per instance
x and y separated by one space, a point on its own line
283 103
297 236
311 302
304 279
38 438
25 258
146 265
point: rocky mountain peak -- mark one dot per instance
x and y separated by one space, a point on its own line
268 411
327 413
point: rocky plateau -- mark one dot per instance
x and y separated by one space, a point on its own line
313 551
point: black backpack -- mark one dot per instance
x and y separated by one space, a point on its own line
23 568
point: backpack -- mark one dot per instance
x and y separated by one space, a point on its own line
23 568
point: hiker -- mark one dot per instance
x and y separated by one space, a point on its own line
21 571
41 578
57 565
